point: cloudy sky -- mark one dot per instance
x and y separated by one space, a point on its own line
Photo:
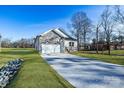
28 21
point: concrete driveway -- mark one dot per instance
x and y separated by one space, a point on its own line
83 72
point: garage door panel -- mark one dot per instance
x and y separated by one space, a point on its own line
50 48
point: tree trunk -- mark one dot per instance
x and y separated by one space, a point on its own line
78 40
108 46
102 48
97 40
84 41
109 49
97 48
78 46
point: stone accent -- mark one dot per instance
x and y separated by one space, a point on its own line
51 38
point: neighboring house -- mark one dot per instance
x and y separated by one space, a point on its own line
113 46
55 41
117 46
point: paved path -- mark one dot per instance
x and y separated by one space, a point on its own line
85 72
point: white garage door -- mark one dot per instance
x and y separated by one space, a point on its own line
50 48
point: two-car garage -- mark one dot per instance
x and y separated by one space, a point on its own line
50 48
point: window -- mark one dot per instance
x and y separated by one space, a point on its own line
71 43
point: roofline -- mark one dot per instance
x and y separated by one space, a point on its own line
71 38
60 29
56 33
66 34
46 32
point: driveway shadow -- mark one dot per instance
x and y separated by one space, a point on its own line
87 72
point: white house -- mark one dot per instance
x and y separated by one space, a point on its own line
55 41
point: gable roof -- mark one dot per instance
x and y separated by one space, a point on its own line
59 32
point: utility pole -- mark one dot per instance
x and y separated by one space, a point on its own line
0 42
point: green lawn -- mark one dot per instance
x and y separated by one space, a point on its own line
34 73
120 52
113 52
107 58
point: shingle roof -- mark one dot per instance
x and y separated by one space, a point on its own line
61 33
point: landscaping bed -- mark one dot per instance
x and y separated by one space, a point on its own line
8 71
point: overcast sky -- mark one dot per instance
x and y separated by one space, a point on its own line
28 21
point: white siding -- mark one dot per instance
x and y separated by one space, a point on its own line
67 43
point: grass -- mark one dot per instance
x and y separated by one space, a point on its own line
34 73
116 59
120 52
113 52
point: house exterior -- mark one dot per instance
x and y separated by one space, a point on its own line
113 46
55 41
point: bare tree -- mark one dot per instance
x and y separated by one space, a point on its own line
107 24
119 15
120 38
97 35
82 25
6 43
119 18
24 43
102 41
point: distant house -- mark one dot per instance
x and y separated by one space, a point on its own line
113 46
55 41
117 46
